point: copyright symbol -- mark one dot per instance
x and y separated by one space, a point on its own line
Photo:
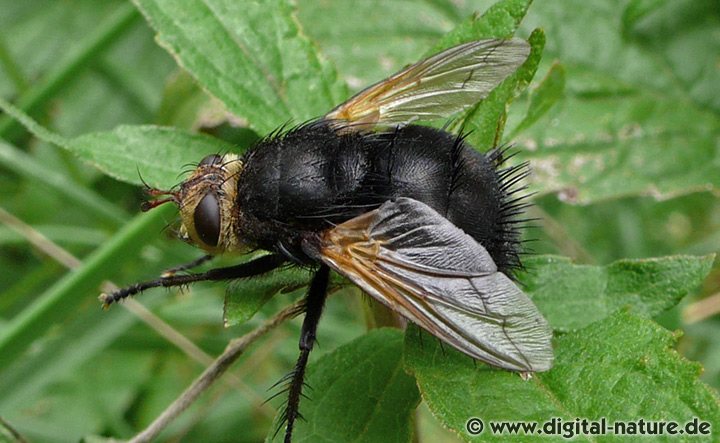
474 426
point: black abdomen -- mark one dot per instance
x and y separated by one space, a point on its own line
312 178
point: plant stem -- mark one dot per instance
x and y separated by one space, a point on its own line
233 351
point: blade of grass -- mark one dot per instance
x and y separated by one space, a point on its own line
58 233
73 289
33 282
26 166
11 68
106 34
139 310
82 339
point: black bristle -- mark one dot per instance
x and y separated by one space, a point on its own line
513 204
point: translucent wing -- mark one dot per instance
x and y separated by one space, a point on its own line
436 87
419 264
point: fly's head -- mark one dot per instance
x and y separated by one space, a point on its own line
206 201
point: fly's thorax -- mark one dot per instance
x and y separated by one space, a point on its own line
207 206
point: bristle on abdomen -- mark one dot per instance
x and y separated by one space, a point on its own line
514 201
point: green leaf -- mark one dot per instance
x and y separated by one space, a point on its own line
182 101
247 297
621 145
542 98
485 122
264 70
31 125
640 114
158 154
369 46
499 21
29 168
621 368
636 10
359 393
572 296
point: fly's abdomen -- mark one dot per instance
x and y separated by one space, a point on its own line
442 171
415 162
313 178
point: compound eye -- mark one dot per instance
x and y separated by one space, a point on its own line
209 160
207 219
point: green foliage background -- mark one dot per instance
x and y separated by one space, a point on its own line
619 123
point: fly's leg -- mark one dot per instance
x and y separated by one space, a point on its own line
252 268
193 264
313 309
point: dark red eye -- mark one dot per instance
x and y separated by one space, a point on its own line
213 159
207 219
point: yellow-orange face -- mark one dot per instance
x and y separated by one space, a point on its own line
206 203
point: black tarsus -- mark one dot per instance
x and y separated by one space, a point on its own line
314 303
259 266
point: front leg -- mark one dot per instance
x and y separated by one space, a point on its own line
259 266
184 267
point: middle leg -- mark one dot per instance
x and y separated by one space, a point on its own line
313 309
